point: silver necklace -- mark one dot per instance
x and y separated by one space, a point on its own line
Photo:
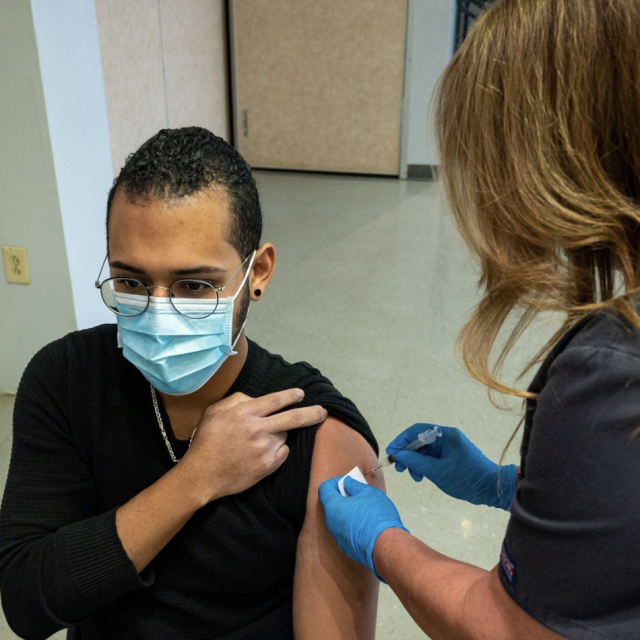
162 429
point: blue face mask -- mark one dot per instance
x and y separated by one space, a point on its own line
177 354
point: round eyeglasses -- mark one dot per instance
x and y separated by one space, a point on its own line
192 298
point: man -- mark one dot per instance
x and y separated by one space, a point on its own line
156 490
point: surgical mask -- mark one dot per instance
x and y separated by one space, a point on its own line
177 354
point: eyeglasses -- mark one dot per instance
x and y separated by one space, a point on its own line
192 298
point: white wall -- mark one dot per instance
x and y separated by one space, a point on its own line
30 315
69 54
429 45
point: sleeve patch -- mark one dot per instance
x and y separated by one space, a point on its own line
507 564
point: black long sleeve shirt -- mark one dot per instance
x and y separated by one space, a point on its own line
86 440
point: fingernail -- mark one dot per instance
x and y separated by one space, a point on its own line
300 393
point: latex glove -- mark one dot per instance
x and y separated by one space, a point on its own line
355 522
456 466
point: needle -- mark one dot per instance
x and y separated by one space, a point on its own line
423 439
391 460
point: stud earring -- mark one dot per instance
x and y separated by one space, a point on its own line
257 293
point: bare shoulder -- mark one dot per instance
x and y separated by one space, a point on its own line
335 598
339 448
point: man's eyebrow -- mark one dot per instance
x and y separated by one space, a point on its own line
127 267
197 270
176 272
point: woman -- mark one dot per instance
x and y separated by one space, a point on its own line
539 132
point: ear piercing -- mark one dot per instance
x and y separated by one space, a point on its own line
257 293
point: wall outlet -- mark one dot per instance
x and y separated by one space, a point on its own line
15 265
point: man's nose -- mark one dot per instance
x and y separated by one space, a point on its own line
163 291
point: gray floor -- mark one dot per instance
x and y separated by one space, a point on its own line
372 286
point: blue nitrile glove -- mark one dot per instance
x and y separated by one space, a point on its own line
456 466
356 522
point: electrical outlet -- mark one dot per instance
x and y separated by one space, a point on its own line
15 265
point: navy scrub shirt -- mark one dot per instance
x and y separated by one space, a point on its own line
571 555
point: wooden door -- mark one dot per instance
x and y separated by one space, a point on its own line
318 83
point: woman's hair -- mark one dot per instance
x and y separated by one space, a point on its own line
538 119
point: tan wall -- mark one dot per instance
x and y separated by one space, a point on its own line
165 65
319 84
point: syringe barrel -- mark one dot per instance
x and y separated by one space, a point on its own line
425 438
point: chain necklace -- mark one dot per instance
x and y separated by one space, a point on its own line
162 429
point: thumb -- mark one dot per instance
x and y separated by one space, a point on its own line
353 487
418 462
327 489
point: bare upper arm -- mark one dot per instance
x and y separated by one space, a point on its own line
513 616
334 597
492 613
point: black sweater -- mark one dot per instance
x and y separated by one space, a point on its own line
86 440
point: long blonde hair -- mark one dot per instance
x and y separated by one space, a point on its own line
538 121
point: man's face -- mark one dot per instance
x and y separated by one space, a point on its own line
159 242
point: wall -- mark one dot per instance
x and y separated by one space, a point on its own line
69 55
165 65
30 315
429 46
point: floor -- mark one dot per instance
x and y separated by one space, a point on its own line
372 286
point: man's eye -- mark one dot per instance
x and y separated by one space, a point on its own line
131 284
195 286
193 289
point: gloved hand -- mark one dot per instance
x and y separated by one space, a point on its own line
456 466
356 522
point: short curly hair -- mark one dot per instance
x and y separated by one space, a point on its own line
176 163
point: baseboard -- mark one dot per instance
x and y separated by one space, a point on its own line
421 172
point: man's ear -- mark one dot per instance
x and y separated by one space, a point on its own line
262 271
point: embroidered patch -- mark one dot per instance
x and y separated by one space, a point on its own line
507 564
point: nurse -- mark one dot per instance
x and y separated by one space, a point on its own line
539 132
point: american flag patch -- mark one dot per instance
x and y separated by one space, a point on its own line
507 564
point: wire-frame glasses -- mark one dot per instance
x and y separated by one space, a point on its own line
192 298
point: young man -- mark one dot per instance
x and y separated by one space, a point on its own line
156 489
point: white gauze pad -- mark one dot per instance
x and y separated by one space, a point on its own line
356 474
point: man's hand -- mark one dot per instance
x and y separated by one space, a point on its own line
239 441
456 466
356 522
227 403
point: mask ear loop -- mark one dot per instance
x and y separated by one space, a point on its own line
244 324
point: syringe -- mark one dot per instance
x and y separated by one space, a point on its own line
423 439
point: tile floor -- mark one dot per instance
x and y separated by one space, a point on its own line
372 286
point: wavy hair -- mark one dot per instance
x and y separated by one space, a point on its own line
538 125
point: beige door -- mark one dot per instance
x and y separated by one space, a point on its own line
318 83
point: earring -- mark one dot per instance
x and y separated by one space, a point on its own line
257 293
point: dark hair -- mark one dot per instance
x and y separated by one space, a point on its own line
176 163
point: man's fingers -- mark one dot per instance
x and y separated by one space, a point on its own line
296 418
228 403
280 438
273 402
281 455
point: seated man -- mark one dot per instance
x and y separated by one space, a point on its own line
156 489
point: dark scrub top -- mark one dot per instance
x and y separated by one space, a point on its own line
86 440
571 555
